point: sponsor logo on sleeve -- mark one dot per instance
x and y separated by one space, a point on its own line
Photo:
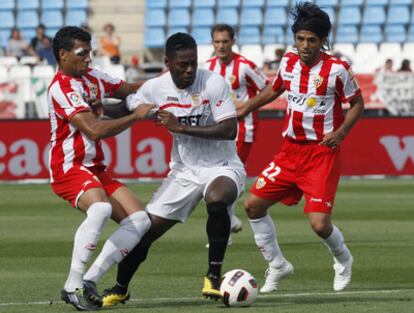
260 183
75 98
219 103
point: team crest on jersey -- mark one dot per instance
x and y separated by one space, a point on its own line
232 79
311 102
93 90
317 81
196 99
75 98
260 183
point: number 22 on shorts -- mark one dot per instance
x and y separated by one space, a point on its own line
271 171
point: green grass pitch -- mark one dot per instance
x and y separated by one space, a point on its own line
377 219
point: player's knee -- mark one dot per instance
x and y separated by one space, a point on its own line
252 210
321 228
101 210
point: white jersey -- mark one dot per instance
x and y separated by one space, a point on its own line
206 102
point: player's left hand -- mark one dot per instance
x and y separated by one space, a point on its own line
96 106
333 139
169 120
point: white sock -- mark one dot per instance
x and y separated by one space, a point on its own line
336 245
119 244
265 236
233 218
86 238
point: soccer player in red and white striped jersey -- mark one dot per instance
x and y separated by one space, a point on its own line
244 79
308 163
77 170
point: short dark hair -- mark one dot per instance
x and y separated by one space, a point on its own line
222 28
179 42
65 37
308 16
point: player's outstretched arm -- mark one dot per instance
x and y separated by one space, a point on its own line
95 128
224 130
266 96
354 113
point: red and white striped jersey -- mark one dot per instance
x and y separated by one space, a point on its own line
245 81
66 97
315 94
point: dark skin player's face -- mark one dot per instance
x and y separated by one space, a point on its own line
309 46
183 67
75 62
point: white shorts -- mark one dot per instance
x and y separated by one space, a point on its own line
181 190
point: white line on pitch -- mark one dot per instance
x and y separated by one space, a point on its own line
189 299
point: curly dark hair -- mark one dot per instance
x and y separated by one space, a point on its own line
65 37
308 16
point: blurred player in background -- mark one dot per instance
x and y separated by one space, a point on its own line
196 107
77 170
245 80
308 163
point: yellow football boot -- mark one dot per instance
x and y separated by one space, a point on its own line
113 296
211 289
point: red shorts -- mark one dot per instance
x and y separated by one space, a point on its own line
79 179
243 150
301 168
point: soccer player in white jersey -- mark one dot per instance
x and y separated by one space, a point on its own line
196 107
245 80
77 170
308 163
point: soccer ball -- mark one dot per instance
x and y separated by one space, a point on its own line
238 288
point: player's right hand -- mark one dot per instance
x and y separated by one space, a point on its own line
143 111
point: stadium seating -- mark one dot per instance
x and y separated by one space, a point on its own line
275 17
349 16
327 3
154 37
76 17
277 3
376 2
27 4
52 18
180 4
201 35
251 17
249 35
52 4
179 17
77 4
398 15
374 15
228 3
155 4
178 29
347 34
6 5
345 3
202 17
27 19
371 34
204 3
253 3
395 33
273 35
227 15
155 17
7 20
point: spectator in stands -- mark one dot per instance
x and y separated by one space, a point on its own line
386 68
45 53
37 43
109 44
134 72
16 45
94 41
405 66
270 67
